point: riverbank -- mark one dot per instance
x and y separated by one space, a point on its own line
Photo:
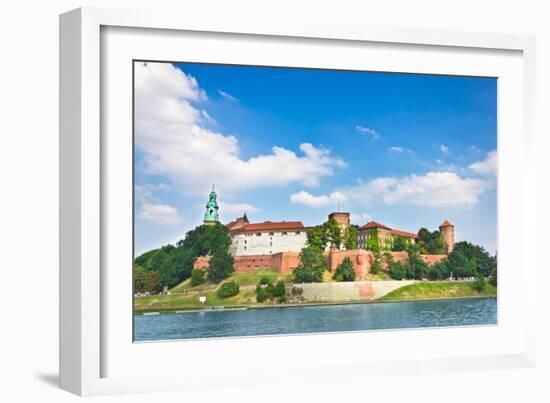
430 290
419 291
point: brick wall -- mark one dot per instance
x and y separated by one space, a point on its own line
285 262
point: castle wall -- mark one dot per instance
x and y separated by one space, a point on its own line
267 243
284 262
361 259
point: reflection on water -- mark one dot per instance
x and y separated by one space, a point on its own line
331 318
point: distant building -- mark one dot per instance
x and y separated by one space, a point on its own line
448 231
266 238
384 235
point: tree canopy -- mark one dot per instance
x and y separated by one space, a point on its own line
174 264
328 233
344 271
312 265
431 243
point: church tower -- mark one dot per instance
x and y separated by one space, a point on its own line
448 231
211 213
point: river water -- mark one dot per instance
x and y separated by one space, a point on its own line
313 319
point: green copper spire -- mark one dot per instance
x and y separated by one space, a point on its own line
211 214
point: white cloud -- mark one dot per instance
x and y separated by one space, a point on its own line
159 214
176 144
373 134
399 150
237 208
434 189
146 192
360 218
228 96
488 166
310 200
444 149
474 149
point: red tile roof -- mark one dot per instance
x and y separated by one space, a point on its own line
403 233
273 226
446 224
374 224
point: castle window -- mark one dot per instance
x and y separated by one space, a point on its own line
298 232
259 234
271 234
284 233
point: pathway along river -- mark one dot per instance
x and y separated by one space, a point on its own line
312 319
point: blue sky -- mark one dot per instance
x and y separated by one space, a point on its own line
406 150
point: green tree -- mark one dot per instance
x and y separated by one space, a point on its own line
220 266
397 270
312 265
145 281
416 267
228 289
317 237
197 277
376 266
467 259
350 237
439 270
344 271
431 242
334 233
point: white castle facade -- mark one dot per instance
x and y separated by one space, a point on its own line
266 238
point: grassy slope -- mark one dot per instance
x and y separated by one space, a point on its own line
438 290
179 300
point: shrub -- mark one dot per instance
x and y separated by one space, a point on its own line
280 291
344 271
480 283
265 292
197 277
376 266
264 281
261 295
397 270
228 289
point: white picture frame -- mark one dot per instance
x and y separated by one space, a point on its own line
90 356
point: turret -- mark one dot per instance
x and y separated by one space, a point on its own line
448 231
211 213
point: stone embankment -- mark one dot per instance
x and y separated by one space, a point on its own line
349 291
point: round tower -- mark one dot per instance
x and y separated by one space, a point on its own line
211 213
448 231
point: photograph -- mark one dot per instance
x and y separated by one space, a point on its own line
274 200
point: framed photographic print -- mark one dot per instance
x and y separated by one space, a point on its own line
266 190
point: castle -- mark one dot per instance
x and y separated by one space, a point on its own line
278 244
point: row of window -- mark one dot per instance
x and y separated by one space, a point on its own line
271 233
